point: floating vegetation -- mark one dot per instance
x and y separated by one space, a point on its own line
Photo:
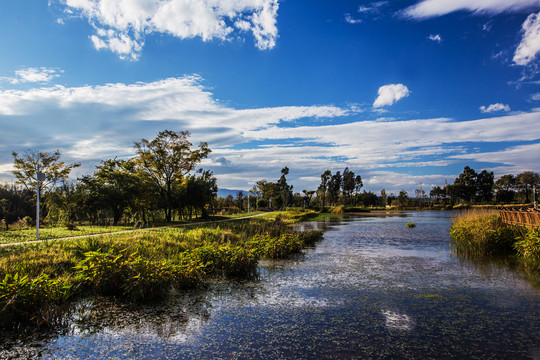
410 224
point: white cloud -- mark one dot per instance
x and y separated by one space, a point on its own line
6 168
494 107
92 123
389 94
121 26
432 8
530 42
436 38
349 19
33 75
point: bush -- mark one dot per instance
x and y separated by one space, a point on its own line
528 247
71 226
262 203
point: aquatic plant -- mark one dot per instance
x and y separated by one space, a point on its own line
410 224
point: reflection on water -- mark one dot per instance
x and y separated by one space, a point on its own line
373 288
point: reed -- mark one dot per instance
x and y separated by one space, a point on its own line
481 232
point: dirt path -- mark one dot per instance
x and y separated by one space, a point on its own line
132 231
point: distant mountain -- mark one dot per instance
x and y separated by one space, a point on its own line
225 192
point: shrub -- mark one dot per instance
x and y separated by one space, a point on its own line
71 226
528 247
262 203
410 224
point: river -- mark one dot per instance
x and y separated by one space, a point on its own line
372 288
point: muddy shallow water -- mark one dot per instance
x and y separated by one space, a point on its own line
373 288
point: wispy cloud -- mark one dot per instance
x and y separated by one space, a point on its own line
33 75
389 94
349 19
433 8
437 38
494 108
529 46
121 26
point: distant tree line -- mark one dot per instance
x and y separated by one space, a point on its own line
473 187
159 183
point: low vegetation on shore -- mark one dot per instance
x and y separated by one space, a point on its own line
481 232
37 280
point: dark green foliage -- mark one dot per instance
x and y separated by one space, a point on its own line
528 248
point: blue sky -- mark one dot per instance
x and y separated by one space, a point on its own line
401 92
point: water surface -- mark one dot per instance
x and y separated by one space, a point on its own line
373 288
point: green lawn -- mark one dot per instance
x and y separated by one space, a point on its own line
21 235
46 233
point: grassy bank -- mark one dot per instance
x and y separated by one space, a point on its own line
480 232
37 280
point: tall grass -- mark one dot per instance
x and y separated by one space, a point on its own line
138 266
481 232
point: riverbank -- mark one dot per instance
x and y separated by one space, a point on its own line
38 280
481 232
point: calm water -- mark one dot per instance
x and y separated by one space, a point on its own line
373 288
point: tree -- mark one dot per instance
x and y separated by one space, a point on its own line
465 185
114 186
167 160
505 187
484 186
323 187
28 165
383 197
334 186
348 184
403 198
40 171
285 190
526 181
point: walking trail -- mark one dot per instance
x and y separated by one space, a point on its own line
134 230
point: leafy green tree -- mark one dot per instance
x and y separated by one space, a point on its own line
334 187
526 181
285 190
323 187
484 186
505 188
383 197
27 166
348 184
167 159
115 186
464 186
403 198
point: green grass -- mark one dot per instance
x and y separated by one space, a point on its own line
47 233
137 266
57 232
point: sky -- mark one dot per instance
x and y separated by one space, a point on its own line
405 93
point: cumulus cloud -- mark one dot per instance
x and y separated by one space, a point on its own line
33 75
389 94
530 41
436 38
433 8
121 26
494 108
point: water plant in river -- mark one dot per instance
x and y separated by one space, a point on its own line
410 224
